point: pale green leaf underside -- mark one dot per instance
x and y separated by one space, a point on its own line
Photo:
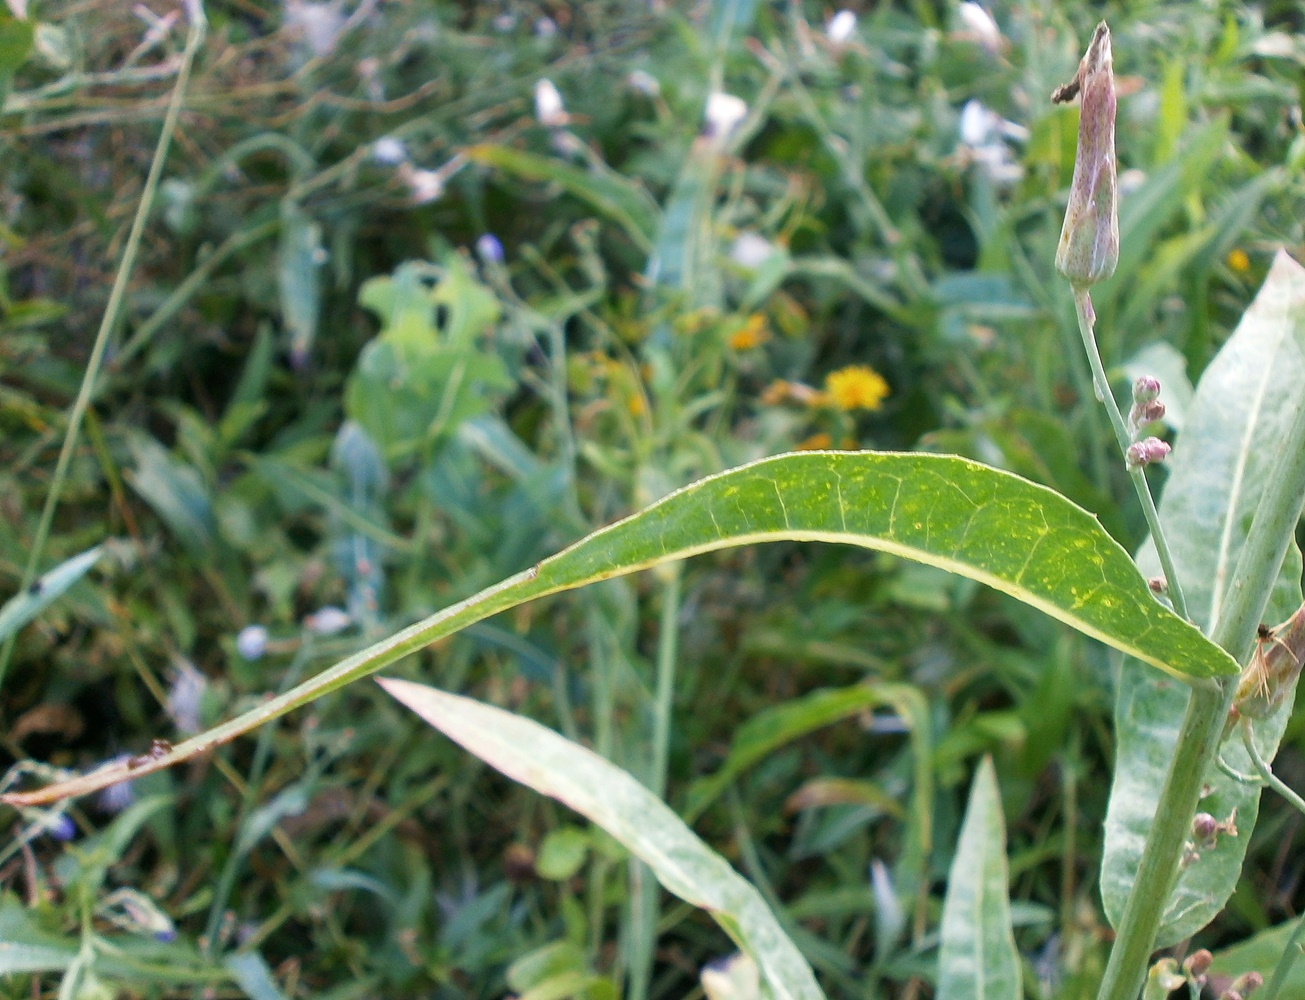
539 758
1218 466
978 959
979 522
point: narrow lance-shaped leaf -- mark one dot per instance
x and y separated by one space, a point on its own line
1225 455
44 591
978 960
541 759
979 522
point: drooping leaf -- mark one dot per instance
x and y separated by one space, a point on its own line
1217 473
978 960
990 526
541 759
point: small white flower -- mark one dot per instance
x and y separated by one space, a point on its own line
425 185
328 621
841 27
184 696
545 27
981 25
319 24
548 105
751 250
643 83
389 151
251 643
977 122
724 112
1131 180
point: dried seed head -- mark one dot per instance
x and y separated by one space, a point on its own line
1089 239
1271 674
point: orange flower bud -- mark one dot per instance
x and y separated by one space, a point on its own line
1089 239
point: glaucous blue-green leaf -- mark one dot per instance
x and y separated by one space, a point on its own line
539 758
1237 422
991 526
978 960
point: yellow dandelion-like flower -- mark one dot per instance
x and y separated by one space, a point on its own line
1239 261
753 333
856 387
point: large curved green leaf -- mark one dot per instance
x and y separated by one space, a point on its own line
991 526
1228 449
537 757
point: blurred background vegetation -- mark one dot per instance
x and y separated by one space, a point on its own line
407 319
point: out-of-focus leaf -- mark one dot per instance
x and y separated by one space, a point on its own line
620 199
16 37
44 591
253 975
1217 474
978 960
175 491
1261 954
539 758
299 263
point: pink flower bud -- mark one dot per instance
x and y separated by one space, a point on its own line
1148 451
1089 239
1146 389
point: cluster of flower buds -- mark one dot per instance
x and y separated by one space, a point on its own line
1146 410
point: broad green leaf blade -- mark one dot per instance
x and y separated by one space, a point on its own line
1237 422
978 960
44 591
979 522
541 759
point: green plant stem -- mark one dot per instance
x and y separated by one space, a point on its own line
1198 741
1272 531
112 311
1265 771
643 926
1083 307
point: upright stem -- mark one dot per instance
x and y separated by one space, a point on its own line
1198 741
1083 306
643 929
112 310
1258 566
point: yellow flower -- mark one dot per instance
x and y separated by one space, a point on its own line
1238 261
753 333
856 387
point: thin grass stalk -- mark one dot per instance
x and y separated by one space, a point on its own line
112 311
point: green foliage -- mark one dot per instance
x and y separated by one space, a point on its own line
330 406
